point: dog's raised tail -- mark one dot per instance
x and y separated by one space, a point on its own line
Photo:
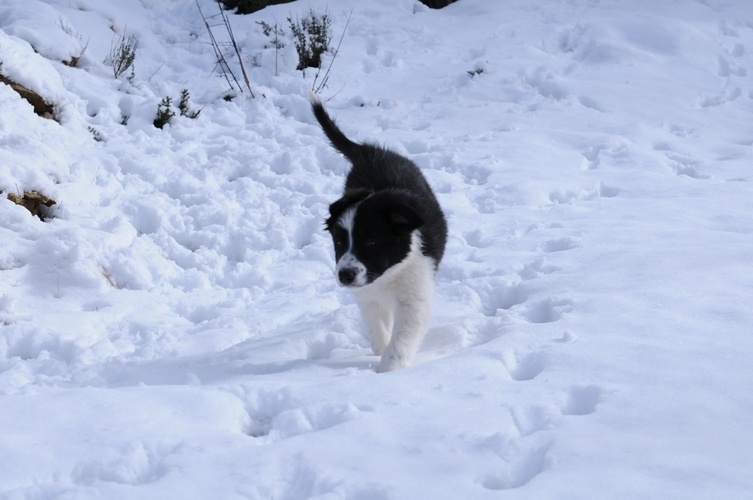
331 130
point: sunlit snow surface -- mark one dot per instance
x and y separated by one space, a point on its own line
175 331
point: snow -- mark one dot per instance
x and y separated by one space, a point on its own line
175 330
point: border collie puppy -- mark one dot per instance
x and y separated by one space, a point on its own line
389 234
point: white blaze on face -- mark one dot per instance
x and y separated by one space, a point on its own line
350 271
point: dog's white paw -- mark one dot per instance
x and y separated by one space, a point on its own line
391 361
379 344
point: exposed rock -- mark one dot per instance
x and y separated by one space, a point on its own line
35 202
41 107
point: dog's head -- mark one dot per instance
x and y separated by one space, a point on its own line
371 232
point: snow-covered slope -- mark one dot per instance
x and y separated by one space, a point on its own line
174 331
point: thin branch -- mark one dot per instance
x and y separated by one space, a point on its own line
235 46
148 80
334 56
221 62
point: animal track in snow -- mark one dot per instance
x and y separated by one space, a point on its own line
524 367
325 348
536 268
139 463
678 131
301 478
533 419
545 84
582 400
607 191
559 245
391 60
731 94
590 103
477 239
685 165
275 416
548 311
490 201
611 151
727 67
564 197
527 455
497 295
476 175
528 464
569 196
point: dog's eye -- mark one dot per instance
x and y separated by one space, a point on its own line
371 243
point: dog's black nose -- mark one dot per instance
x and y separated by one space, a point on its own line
346 276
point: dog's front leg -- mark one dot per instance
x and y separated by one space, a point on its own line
378 319
411 321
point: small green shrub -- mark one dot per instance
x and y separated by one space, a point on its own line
184 107
96 134
165 112
311 37
273 33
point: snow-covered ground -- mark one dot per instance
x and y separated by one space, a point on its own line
175 331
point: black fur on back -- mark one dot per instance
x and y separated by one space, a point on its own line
388 181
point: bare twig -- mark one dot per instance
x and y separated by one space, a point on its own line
321 86
148 80
235 46
277 48
107 276
268 30
221 61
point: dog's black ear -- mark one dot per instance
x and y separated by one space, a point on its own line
336 209
404 218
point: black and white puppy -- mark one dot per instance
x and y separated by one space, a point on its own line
389 234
